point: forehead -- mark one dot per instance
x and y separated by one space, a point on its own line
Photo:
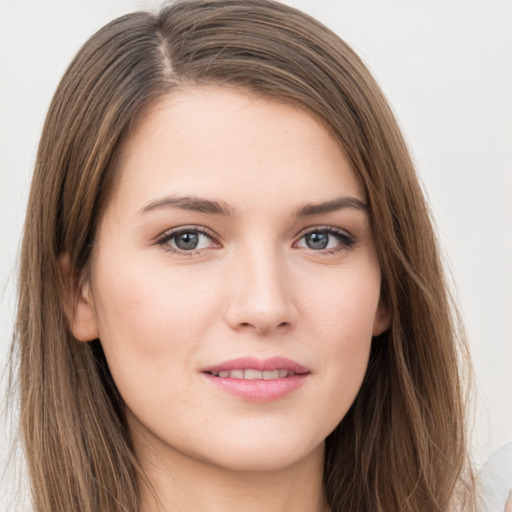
228 143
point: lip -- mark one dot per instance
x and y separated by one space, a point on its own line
270 364
258 390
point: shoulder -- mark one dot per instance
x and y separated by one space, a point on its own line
494 482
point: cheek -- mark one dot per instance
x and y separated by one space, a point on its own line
341 325
148 315
345 310
151 324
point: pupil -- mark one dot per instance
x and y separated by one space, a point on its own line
317 240
187 241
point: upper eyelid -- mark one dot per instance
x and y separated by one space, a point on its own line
180 229
321 227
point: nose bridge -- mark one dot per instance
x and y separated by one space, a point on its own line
261 297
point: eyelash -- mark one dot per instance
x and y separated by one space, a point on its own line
169 235
346 241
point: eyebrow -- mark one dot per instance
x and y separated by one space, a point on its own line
335 205
194 204
200 205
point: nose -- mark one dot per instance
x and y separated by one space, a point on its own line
262 298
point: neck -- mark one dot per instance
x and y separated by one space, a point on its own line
177 482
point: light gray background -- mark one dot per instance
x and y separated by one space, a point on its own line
446 67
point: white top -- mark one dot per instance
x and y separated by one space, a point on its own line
494 482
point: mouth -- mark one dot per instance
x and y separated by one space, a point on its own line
258 380
252 368
252 374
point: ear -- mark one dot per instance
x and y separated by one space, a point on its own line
78 303
382 319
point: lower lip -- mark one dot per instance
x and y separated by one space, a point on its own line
258 390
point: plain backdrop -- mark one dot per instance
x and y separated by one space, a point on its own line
446 67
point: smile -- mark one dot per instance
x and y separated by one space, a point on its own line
258 380
252 374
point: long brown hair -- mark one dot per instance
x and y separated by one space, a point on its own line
402 445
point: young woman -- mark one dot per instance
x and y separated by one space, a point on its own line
231 295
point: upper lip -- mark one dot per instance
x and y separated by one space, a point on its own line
269 364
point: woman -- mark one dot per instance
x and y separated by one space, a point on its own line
231 294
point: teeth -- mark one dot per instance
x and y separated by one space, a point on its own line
253 374
250 374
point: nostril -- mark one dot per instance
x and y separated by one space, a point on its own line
262 328
248 315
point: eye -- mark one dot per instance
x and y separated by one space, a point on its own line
325 239
187 240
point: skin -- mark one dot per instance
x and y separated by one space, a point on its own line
254 286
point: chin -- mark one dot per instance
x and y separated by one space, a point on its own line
256 456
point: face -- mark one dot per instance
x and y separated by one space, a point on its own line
234 281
